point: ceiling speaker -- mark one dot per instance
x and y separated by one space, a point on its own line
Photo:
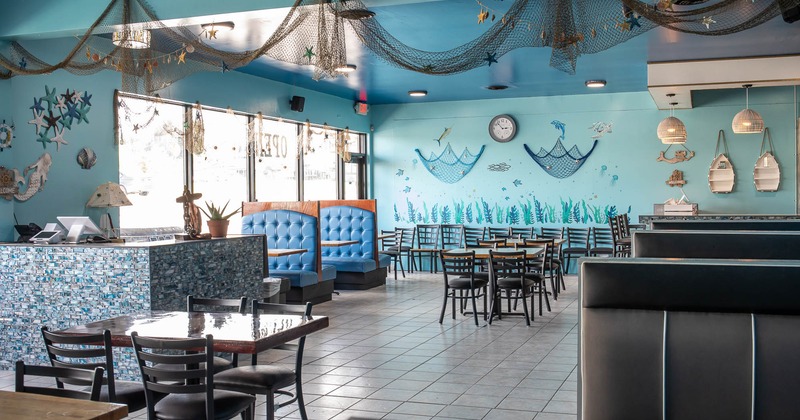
297 103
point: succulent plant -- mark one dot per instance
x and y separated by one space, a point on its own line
216 213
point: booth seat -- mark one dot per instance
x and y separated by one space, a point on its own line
294 230
356 265
688 339
777 225
719 244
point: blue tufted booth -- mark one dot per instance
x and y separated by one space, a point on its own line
357 264
286 228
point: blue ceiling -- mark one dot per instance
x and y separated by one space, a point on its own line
433 25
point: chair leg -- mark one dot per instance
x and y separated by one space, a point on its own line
270 405
485 294
541 286
301 404
525 310
402 270
395 267
474 306
444 306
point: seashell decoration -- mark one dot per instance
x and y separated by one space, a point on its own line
86 158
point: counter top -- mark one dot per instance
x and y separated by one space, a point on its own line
125 244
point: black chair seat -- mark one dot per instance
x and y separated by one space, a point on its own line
513 282
575 250
463 282
535 277
220 364
128 392
227 404
254 379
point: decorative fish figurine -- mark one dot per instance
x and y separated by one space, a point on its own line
444 134
600 128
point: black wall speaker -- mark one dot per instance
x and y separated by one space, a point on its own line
790 13
297 103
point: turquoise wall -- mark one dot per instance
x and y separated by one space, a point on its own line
68 187
621 175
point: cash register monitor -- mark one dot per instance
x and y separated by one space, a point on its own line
78 227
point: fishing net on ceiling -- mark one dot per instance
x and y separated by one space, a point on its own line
313 34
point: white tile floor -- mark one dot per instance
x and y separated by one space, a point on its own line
385 356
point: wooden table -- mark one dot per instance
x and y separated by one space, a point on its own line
27 406
233 332
332 244
383 236
281 252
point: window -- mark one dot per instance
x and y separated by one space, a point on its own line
319 167
275 161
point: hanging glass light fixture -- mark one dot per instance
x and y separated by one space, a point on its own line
671 130
747 121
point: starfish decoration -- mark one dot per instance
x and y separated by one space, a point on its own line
72 111
44 139
50 97
136 128
86 98
82 111
212 33
399 172
149 67
58 139
482 16
38 120
23 63
225 67
182 57
62 105
309 53
76 97
52 120
708 21
88 54
67 97
490 58
37 105
633 21
665 5
623 26
66 122
427 68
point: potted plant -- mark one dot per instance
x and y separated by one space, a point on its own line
217 219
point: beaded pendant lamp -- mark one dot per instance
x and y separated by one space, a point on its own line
671 130
747 121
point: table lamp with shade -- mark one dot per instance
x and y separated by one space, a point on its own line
108 195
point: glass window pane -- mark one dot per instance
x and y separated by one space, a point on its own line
352 178
276 161
151 163
319 167
220 170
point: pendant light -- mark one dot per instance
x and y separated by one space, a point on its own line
671 130
747 121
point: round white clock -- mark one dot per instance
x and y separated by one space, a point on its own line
502 128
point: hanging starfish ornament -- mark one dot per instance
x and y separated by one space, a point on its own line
212 33
309 53
633 21
58 139
482 16
225 67
623 26
182 57
490 58
707 20
38 121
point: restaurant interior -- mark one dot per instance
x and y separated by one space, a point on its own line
636 161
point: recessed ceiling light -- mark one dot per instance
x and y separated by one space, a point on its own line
595 83
219 26
497 87
417 92
346 68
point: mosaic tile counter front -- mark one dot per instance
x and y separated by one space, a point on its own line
66 285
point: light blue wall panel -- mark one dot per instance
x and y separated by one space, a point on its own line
621 174
6 160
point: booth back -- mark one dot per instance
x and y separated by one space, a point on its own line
349 220
286 225
703 339
767 245
793 225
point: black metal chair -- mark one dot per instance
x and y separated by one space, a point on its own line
556 263
602 242
472 235
427 243
186 390
94 377
459 277
406 243
577 245
551 266
195 304
523 233
508 278
622 244
536 269
499 232
88 352
271 379
452 236
389 246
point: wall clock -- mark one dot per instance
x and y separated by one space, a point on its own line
502 128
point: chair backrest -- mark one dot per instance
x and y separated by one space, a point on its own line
522 233
624 227
409 235
549 246
458 264
94 377
601 237
348 223
549 232
613 224
578 237
504 264
499 232
195 304
391 241
452 236
538 265
287 229
82 352
428 236
491 244
193 374
472 235
282 308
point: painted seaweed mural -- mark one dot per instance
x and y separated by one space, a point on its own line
524 212
449 168
560 162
